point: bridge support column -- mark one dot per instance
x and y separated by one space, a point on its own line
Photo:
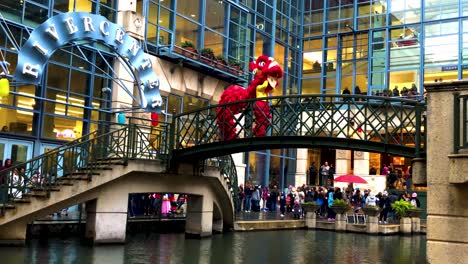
218 226
419 171
340 222
13 234
311 220
372 224
343 161
199 221
106 221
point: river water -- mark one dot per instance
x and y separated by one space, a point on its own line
293 246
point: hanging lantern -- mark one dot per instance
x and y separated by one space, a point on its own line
154 119
4 87
121 119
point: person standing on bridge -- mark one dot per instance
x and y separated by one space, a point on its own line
324 171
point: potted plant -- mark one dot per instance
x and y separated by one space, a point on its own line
371 210
235 67
189 49
340 206
207 56
221 62
401 208
415 212
310 207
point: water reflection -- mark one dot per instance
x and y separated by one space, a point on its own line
296 247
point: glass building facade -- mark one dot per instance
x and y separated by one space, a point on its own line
323 46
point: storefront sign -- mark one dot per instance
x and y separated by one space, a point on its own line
66 28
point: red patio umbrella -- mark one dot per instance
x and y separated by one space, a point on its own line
350 178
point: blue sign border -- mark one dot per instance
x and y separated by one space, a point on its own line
66 28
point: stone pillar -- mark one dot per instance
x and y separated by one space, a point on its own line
311 220
405 225
14 233
301 167
240 167
106 221
199 221
218 226
372 224
361 163
447 212
418 166
343 161
340 222
415 225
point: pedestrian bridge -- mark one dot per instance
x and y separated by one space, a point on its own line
102 168
375 124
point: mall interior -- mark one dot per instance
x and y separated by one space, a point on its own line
386 48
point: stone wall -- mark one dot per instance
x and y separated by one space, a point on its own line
447 225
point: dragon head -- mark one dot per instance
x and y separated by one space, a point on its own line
266 68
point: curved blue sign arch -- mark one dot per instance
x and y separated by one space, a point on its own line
65 28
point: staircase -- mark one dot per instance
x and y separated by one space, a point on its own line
62 177
109 148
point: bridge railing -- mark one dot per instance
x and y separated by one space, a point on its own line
82 158
386 120
460 129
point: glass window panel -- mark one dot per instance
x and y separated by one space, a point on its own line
312 63
405 51
214 41
189 9
186 31
441 44
164 17
12 10
361 82
215 15
34 14
440 9
439 74
57 76
78 82
311 86
81 5
403 79
62 128
18 121
361 67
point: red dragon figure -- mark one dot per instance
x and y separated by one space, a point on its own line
266 74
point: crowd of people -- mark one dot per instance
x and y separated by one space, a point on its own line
157 205
254 198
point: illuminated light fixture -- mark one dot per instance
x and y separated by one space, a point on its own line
24 112
4 87
193 15
160 21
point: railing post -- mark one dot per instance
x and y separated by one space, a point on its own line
171 136
456 122
417 139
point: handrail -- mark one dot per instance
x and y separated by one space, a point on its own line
460 122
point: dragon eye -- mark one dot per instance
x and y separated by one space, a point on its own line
261 64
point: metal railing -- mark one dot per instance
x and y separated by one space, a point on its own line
386 120
460 122
82 159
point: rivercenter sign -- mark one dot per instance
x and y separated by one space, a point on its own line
66 28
